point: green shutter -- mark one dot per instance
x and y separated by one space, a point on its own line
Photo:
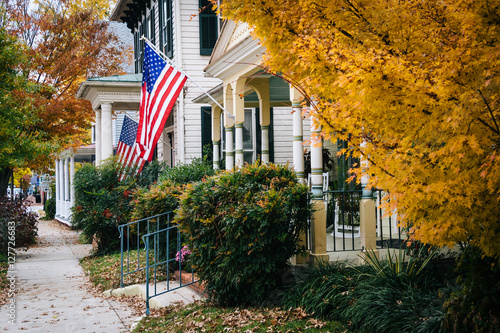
208 28
206 128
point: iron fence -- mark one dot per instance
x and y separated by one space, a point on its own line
343 221
159 253
166 260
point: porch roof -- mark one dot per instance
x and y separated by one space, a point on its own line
122 91
279 93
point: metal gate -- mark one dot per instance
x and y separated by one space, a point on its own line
159 253
343 222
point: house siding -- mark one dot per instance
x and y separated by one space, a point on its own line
193 64
283 134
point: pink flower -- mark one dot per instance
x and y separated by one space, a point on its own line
182 253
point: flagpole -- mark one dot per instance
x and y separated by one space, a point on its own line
185 74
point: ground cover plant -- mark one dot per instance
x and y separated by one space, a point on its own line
206 317
394 295
242 227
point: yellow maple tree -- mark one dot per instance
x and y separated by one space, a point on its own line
418 83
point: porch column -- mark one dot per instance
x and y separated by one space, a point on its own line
239 112
238 144
318 225
58 184
71 176
298 149
61 180
97 137
316 160
229 148
228 126
106 131
367 215
66 179
216 136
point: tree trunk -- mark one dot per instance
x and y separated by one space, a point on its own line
5 175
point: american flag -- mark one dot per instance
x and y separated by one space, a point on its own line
161 85
126 151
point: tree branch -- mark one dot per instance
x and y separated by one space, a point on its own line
490 111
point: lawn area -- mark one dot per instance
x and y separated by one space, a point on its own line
202 316
205 317
104 271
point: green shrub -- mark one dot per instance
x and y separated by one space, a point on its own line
151 172
101 204
50 209
25 232
160 198
475 304
242 227
188 173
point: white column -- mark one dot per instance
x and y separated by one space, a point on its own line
238 145
298 150
239 113
61 180
265 144
98 137
229 125
229 148
316 160
58 184
216 136
71 176
106 132
66 179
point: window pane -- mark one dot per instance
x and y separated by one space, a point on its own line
248 131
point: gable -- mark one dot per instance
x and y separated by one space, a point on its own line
230 36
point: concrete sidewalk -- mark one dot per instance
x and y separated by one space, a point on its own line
51 294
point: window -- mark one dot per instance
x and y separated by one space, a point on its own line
208 28
139 47
166 32
249 136
150 29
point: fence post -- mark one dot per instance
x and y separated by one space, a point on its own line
367 216
318 233
368 233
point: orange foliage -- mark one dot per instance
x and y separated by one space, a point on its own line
418 82
66 44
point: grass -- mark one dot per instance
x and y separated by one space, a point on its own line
205 317
104 271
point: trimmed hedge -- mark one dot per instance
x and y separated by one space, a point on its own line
101 204
242 228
